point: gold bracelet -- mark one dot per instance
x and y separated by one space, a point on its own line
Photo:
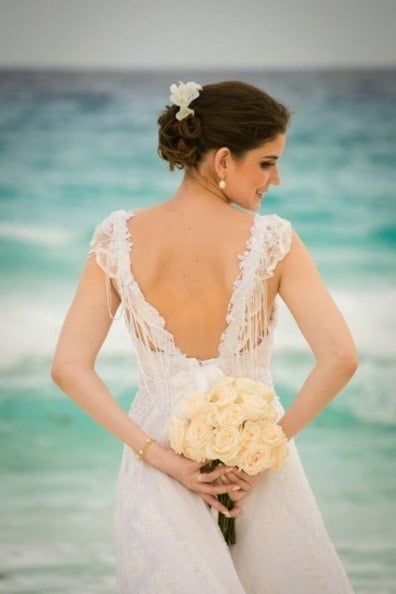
140 454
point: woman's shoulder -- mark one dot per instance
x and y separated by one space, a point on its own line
276 235
113 217
274 219
111 229
276 227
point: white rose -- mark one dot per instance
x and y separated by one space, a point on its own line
225 442
278 456
208 413
255 459
222 394
192 405
194 453
269 415
256 407
232 415
251 434
198 433
248 386
177 429
273 435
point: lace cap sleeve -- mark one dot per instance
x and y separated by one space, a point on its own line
109 244
100 246
278 240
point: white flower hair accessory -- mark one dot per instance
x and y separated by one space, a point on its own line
182 95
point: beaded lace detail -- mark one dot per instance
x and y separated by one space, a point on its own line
245 345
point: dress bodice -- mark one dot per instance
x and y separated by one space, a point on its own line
245 345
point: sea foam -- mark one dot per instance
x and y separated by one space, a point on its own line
34 234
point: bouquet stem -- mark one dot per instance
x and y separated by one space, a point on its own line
227 525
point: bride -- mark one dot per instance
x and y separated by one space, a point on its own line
197 277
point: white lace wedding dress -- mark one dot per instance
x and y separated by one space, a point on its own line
167 541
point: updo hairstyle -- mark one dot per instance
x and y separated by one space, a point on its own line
229 114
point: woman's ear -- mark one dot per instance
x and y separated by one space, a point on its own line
221 159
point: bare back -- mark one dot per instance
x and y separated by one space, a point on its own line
220 308
186 269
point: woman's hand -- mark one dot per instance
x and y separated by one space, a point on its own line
190 474
245 481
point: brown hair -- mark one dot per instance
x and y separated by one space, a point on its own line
230 113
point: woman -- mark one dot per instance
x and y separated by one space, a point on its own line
197 276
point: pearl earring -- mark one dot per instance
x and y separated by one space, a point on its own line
222 184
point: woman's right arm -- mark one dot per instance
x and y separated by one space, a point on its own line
84 330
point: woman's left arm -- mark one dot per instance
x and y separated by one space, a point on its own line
325 329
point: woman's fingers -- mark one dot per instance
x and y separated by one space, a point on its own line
236 510
221 480
217 489
213 475
208 482
213 502
242 479
236 495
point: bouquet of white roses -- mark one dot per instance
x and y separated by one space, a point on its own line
234 422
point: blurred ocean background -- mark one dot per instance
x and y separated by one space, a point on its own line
74 147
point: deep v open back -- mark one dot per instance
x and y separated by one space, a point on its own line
246 317
167 541
231 302
245 344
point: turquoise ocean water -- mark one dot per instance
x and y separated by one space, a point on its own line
74 147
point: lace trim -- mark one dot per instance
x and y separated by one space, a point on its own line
163 338
277 238
243 266
108 245
248 318
247 327
108 242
